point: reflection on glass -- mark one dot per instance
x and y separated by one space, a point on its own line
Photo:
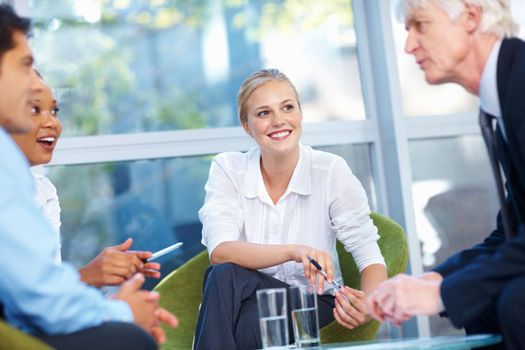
128 66
155 202
455 201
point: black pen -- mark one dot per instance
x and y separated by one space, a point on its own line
321 271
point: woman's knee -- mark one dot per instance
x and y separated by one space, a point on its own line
222 272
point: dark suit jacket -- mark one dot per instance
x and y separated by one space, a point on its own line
474 278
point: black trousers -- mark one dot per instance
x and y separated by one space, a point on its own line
108 336
506 316
228 318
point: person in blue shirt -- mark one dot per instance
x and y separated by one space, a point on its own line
37 294
114 265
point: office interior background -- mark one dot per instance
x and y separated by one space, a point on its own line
147 95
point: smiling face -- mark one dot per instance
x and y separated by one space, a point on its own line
39 143
274 118
440 45
15 85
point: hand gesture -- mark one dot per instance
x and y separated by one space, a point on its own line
350 309
145 307
300 254
403 296
116 264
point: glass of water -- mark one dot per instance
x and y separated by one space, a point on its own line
305 319
273 318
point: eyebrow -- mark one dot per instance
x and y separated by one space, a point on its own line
283 102
54 102
262 107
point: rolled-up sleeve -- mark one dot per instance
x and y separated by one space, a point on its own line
221 215
350 216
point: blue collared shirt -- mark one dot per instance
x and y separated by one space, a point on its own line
40 295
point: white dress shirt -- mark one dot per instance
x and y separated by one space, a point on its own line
47 200
488 88
324 202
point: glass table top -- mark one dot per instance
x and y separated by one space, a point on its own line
453 342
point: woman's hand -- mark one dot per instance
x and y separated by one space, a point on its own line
351 309
116 264
300 254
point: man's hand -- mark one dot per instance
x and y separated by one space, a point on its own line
403 296
300 253
116 264
350 309
145 307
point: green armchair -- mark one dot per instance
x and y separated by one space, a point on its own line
181 290
13 339
393 245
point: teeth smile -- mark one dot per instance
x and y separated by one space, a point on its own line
47 139
280 134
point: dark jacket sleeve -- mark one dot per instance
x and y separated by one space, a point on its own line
468 291
488 247
474 278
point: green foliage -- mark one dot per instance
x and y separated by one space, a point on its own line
96 62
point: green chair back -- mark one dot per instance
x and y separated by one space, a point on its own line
181 293
181 290
394 248
14 339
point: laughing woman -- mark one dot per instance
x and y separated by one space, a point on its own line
268 209
113 265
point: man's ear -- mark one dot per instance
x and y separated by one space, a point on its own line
472 17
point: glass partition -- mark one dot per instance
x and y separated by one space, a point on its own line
455 200
125 66
155 202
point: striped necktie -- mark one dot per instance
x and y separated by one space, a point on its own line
491 141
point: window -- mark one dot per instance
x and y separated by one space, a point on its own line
125 66
155 202
455 200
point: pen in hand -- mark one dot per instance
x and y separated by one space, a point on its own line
333 283
321 271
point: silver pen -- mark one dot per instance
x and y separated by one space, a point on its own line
162 252
321 271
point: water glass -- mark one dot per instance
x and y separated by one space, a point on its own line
273 318
305 319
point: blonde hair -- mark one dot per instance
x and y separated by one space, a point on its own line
253 82
496 18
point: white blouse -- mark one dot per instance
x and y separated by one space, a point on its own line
47 200
324 202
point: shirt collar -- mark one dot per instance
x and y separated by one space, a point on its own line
488 87
300 182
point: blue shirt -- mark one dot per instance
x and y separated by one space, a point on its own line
40 295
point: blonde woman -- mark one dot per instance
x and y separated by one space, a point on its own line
266 210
